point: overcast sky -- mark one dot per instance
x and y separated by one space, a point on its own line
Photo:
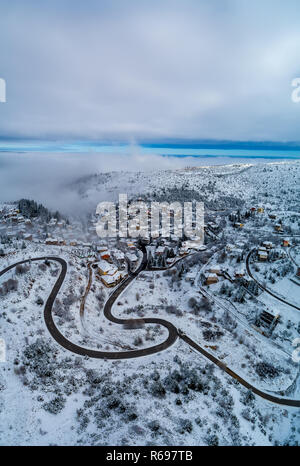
136 70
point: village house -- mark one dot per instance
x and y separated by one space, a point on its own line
109 274
260 210
183 252
105 255
278 227
262 248
170 260
28 223
112 280
285 243
195 245
131 246
262 254
211 279
238 225
215 269
119 256
239 273
133 259
28 237
236 252
51 242
101 248
105 268
160 251
268 244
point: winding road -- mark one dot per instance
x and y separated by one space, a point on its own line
65 343
172 330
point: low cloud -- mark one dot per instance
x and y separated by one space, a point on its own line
134 69
51 178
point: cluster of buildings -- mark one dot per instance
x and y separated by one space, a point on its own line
164 252
215 272
239 219
16 226
264 250
278 226
109 274
13 224
212 275
114 263
235 250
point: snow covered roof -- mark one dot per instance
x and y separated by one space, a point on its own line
191 274
263 253
110 279
107 268
102 248
132 257
214 268
130 244
119 255
105 253
193 245
237 251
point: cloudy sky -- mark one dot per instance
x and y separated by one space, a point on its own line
137 70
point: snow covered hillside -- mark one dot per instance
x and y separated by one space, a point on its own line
157 342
